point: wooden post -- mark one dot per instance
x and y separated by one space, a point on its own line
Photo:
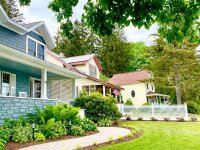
44 84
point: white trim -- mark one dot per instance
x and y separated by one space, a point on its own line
36 41
33 92
4 72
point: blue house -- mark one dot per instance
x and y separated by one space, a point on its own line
26 77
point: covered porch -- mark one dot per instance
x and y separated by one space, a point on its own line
157 98
25 76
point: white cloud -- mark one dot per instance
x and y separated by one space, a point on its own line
38 11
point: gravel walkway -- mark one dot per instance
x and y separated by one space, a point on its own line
103 136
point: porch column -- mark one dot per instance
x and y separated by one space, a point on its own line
110 90
44 84
104 90
74 89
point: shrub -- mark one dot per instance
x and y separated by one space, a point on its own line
88 125
194 119
167 119
104 122
98 107
54 129
77 130
128 118
39 137
154 119
9 123
193 107
22 134
60 112
4 134
180 119
129 102
2 144
140 119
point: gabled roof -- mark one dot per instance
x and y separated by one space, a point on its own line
70 67
22 29
79 60
130 77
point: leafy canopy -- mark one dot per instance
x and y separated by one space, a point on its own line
103 15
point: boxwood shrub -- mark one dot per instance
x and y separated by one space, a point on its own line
98 107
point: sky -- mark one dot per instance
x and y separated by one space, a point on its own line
38 11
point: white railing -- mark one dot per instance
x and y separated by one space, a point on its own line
156 111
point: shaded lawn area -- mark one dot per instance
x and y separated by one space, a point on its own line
160 135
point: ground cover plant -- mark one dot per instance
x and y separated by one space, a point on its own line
52 122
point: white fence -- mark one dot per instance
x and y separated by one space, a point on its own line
157 111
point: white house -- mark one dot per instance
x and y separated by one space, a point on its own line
137 88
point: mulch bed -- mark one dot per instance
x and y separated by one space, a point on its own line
14 146
137 134
118 141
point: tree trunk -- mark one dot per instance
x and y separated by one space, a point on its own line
178 89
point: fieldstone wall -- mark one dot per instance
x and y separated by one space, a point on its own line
13 107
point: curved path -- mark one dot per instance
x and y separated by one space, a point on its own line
103 136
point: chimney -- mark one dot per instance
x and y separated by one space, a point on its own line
62 55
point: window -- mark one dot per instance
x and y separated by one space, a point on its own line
7 84
35 88
152 87
93 71
35 48
147 86
133 93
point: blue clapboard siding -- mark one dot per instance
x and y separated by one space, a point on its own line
15 40
22 79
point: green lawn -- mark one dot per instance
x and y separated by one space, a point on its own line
162 136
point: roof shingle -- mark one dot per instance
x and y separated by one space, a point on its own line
130 77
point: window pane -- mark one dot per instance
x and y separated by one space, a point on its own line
6 84
40 52
37 89
31 47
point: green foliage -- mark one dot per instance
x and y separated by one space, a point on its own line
4 134
175 68
54 129
60 112
2 145
104 122
103 77
82 41
193 107
22 134
98 106
112 48
39 137
139 56
88 125
77 130
129 102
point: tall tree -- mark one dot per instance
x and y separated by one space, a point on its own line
139 56
114 54
176 68
82 41
103 15
12 10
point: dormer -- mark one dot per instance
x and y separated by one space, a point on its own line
87 64
32 38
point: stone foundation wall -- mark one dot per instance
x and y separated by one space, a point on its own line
13 107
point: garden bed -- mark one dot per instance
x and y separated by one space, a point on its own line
127 138
14 146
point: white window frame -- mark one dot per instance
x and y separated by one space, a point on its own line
33 92
4 72
37 42
95 72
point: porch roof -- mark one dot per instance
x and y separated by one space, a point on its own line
150 94
22 58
